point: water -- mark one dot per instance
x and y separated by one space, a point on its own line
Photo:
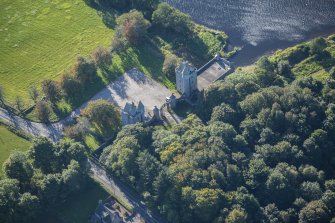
262 26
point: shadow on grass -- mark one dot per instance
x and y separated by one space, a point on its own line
77 208
182 109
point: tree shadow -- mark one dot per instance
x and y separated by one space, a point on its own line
325 60
105 11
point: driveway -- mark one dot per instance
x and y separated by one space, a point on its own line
133 86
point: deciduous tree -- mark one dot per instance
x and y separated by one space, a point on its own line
51 90
133 26
33 93
42 110
84 70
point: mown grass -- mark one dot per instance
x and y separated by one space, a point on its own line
8 143
40 39
43 39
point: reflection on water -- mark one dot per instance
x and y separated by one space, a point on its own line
263 25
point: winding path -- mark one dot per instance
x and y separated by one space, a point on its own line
132 86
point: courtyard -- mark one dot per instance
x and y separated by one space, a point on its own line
133 86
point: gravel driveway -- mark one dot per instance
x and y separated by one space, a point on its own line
133 86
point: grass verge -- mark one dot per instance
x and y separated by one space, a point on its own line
10 142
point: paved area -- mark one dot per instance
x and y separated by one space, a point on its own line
212 73
51 131
133 86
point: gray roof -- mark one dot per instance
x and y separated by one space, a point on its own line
185 68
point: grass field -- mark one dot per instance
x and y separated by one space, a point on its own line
8 143
40 39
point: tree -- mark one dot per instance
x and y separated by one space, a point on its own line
169 65
70 86
43 154
284 68
120 158
207 203
18 167
102 57
318 45
169 18
51 90
237 216
50 189
257 173
68 150
265 64
314 212
19 104
224 113
42 110
310 191
104 114
79 130
84 70
9 195
28 207
119 42
72 177
133 26
33 93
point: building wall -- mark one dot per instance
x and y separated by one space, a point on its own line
186 83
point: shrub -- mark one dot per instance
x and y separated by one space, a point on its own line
70 86
169 18
102 57
318 45
133 26
51 90
104 114
43 110
84 70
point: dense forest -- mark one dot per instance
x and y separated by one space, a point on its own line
40 179
258 148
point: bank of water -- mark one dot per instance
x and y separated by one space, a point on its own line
260 26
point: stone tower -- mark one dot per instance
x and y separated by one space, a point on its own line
186 79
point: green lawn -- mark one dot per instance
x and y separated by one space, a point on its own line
40 39
10 142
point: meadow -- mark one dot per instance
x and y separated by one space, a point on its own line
8 143
41 39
